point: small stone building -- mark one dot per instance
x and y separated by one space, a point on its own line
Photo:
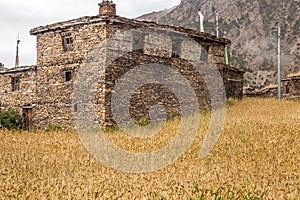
291 86
290 89
43 93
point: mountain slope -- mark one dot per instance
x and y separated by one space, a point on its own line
252 26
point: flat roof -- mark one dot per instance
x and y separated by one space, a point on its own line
116 19
17 69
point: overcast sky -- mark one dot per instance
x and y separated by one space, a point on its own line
19 16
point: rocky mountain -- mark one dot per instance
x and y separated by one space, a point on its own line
156 16
252 26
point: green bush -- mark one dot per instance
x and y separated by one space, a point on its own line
143 122
231 102
111 129
10 120
173 116
53 128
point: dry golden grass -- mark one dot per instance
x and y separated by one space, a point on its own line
259 151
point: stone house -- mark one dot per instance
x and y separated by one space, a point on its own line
290 89
291 86
43 93
18 91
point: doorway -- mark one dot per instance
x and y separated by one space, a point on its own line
27 119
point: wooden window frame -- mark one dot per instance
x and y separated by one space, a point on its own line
68 41
15 83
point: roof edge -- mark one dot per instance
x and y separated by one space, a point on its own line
18 69
96 19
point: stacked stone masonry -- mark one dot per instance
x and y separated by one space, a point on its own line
64 48
290 89
25 88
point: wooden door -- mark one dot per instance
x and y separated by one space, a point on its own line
27 119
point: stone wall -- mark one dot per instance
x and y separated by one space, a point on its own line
156 48
143 98
291 87
54 91
150 94
25 95
85 38
233 80
295 87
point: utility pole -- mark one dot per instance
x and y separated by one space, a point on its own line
217 19
279 63
217 23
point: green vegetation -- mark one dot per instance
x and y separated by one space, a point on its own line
10 120
222 193
53 128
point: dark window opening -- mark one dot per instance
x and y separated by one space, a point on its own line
67 42
138 42
287 89
15 83
75 107
176 47
204 54
68 76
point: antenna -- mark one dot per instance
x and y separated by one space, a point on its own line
18 39
17 53
201 21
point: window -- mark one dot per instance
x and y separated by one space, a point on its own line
15 83
176 47
68 76
204 54
75 107
67 42
138 42
287 89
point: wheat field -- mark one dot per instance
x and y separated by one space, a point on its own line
256 157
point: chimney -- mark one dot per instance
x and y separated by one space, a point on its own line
107 8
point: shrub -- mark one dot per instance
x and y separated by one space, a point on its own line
173 116
231 102
111 129
53 128
10 120
143 122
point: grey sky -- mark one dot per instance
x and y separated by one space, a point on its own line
19 16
